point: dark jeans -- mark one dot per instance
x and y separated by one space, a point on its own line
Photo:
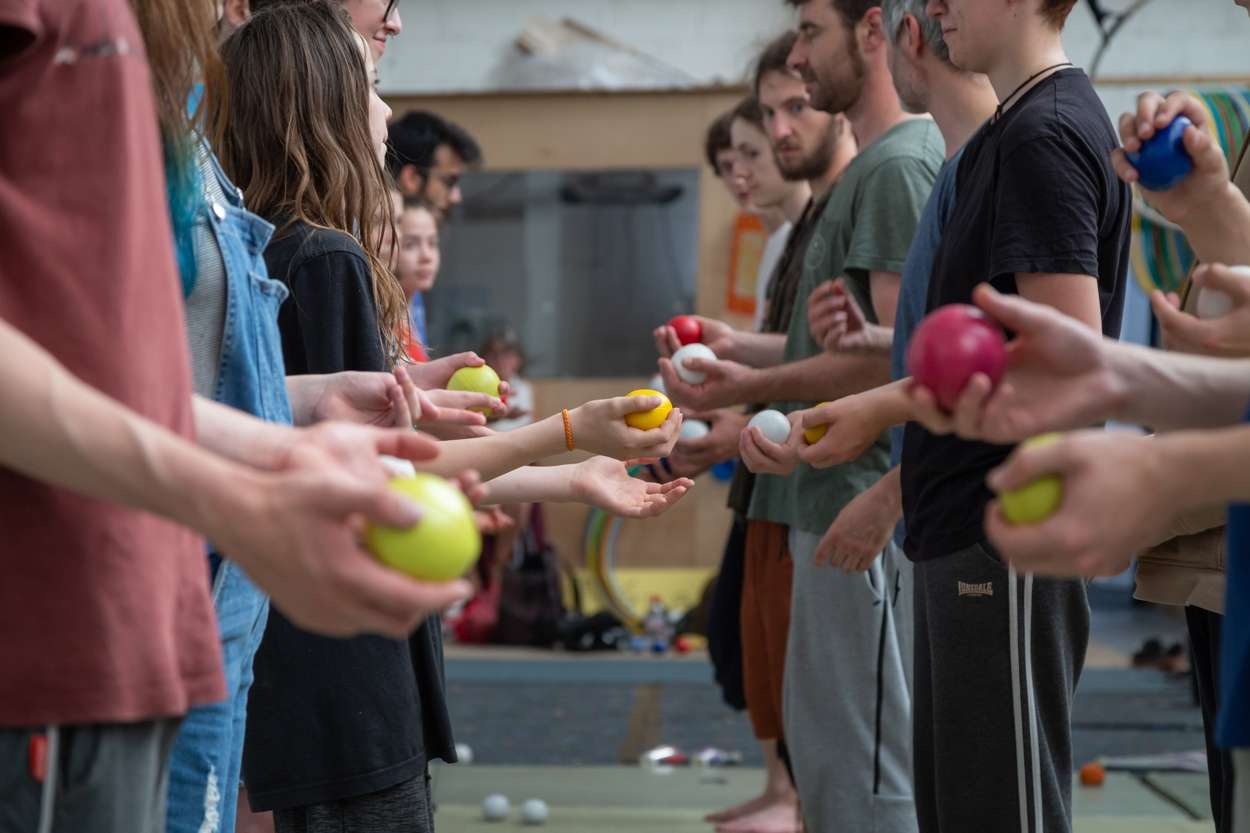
1204 641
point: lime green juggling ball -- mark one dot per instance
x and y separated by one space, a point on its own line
1038 500
476 380
443 545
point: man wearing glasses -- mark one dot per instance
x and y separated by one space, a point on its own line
428 156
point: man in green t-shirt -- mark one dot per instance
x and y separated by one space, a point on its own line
848 662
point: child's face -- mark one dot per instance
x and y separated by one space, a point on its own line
418 251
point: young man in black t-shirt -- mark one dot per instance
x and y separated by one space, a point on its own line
1039 213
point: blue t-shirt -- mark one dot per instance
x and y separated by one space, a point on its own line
1234 719
914 289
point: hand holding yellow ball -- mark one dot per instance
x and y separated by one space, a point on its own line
646 420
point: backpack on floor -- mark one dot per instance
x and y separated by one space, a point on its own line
531 602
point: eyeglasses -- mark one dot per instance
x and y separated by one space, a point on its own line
390 9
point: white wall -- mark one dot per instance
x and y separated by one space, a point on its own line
453 45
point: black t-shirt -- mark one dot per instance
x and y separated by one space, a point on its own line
1035 192
336 718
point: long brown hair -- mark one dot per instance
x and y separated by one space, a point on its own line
296 139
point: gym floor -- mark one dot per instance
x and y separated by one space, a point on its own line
569 730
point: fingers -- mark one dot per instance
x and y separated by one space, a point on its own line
1123 168
1177 325
1150 105
467 359
465 401
824 554
1028 464
1235 283
470 482
623 406
1013 312
405 406
711 367
925 410
1029 548
406 444
389 602
970 407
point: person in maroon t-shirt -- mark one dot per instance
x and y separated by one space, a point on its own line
104 605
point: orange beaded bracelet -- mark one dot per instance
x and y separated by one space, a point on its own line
568 429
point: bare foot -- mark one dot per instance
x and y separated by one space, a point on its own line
747 808
777 817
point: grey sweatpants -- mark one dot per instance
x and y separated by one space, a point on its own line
998 656
403 808
847 698
99 779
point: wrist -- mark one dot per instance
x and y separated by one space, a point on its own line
1123 383
225 497
304 393
890 405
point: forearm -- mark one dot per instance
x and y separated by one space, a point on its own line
758 349
890 490
1169 391
239 436
532 484
1217 231
1204 468
502 452
824 377
55 429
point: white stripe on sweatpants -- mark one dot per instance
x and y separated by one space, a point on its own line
1028 679
1028 700
1013 631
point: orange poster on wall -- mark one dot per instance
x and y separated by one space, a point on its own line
746 250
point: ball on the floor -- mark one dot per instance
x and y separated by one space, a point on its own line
534 811
1093 774
495 807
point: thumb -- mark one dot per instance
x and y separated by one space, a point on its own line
1028 464
335 493
408 445
468 359
709 366
1011 311
623 406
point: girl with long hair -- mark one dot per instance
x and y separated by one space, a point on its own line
340 731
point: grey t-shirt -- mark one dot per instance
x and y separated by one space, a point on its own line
867 226
206 307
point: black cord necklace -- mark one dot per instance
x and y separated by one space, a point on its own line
998 114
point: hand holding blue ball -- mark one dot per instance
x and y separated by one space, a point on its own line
1163 161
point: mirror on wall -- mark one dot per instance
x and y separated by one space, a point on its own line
581 266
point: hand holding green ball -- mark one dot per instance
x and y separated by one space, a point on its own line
476 380
1038 500
443 545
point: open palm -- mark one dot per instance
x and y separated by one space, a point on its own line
606 484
